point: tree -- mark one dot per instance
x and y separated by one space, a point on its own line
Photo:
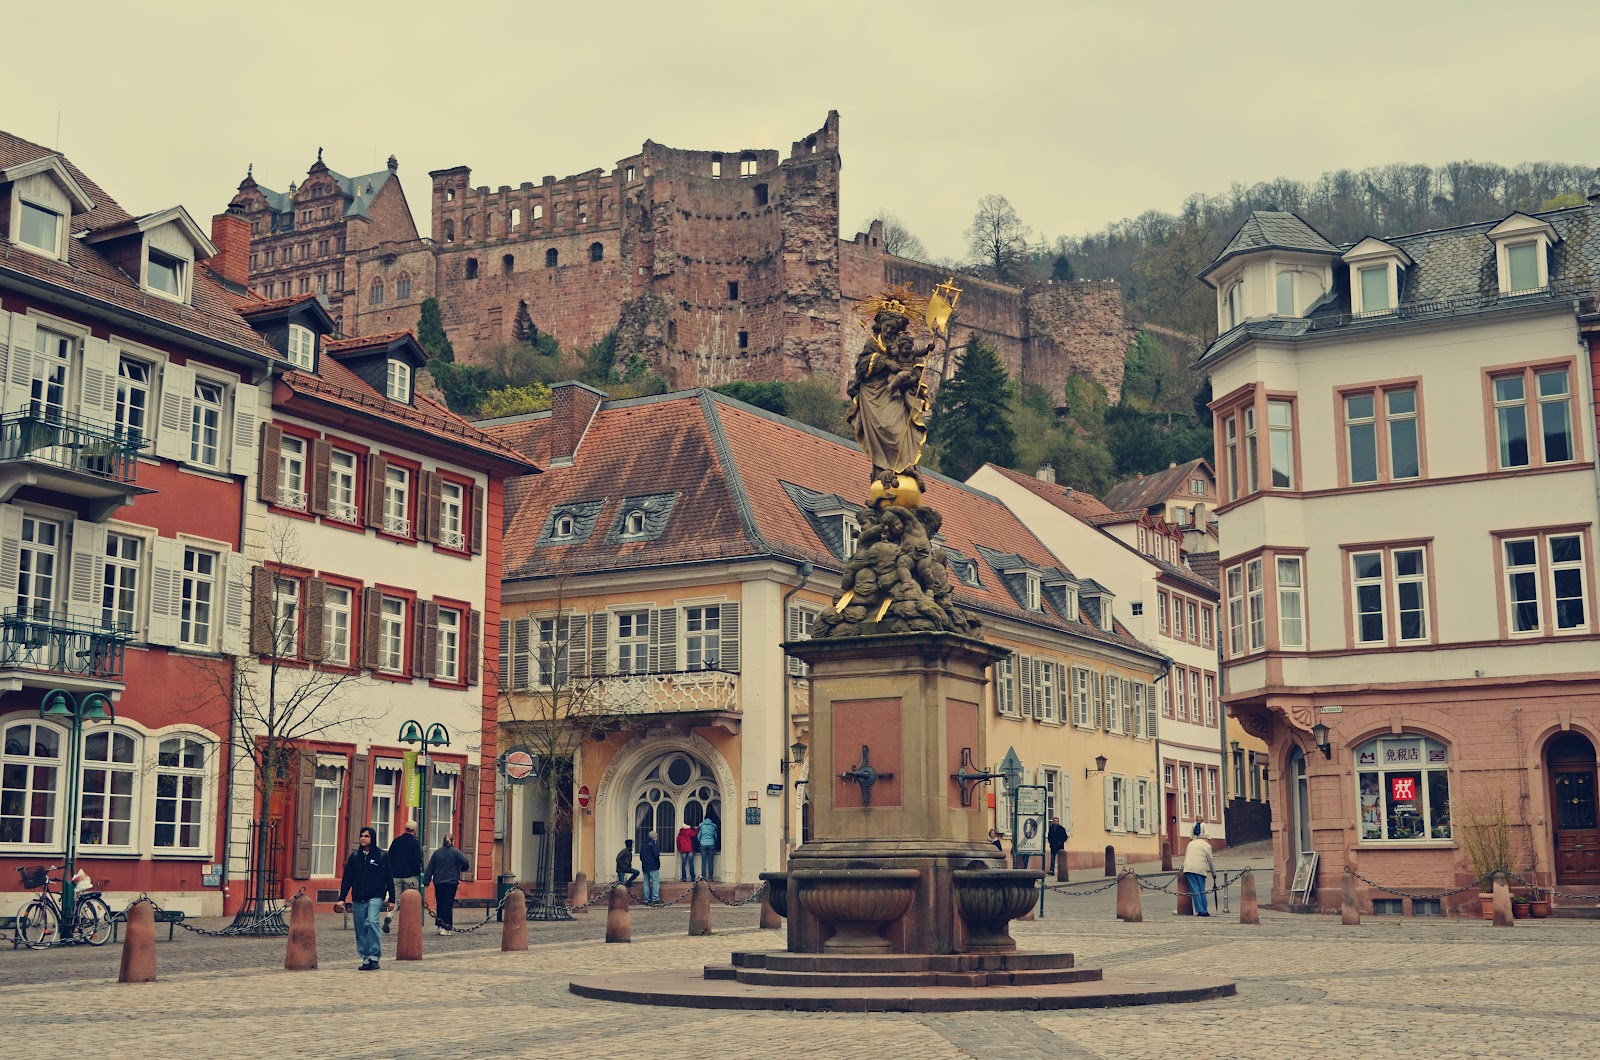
971 424
997 239
430 331
898 239
1061 269
514 401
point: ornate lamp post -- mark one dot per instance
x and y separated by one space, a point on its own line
64 707
435 735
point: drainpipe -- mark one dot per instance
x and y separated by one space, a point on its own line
788 789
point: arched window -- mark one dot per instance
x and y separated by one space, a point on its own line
551 258
508 264
516 217
466 228
402 286
449 231
716 166
33 756
538 211
375 292
678 790
1403 790
1236 304
565 526
110 760
597 251
472 268
633 525
449 195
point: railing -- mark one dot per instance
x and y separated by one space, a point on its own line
453 539
294 500
398 525
669 693
66 441
50 642
343 511
1449 306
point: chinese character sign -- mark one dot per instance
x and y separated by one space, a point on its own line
1403 789
413 780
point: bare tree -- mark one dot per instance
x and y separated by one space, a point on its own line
997 239
898 239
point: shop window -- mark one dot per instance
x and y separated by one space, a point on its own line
1403 786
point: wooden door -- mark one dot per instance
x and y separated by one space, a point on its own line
1172 822
1573 810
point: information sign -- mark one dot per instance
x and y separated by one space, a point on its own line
1305 878
752 815
413 779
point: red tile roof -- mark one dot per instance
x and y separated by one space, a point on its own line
364 342
252 305
1151 490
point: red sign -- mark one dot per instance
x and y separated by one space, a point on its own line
1403 789
583 797
519 765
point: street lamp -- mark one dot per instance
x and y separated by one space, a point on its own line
1099 767
1319 733
435 735
64 707
797 754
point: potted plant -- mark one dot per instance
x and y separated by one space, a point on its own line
1519 906
1539 904
1487 839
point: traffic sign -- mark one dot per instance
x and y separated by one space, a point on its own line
583 797
519 764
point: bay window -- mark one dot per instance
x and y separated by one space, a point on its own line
1235 583
1403 789
1255 597
1291 612
1280 429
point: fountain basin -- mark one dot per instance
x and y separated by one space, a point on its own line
988 900
777 891
857 903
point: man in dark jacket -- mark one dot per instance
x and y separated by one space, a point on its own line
650 862
444 871
626 873
370 887
1057 838
405 861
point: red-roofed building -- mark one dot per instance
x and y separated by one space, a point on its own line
674 542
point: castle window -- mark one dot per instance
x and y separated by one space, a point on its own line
508 264
538 211
516 217
449 195
552 258
472 268
583 214
672 331
733 290
761 194
449 231
630 174
488 226
747 164
716 167
466 228
375 293
597 251
402 286
811 145
744 340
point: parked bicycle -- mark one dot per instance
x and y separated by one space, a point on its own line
39 923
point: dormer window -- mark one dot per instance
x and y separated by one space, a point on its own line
165 275
398 381
1522 266
1375 276
1374 289
40 228
565 527
1031 597
302 347
1522 253
633 524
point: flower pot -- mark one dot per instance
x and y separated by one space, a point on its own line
1519 910
1487 901
1539 908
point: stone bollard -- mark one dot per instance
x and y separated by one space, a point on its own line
769 915
408 946
1349 911
700 908
139 948
617 926
514 922
1502 902
1185 899
1249 913
580 893
1166 855
1061 867
1111 860
1129 909
301 953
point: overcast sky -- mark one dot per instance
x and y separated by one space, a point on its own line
1079 112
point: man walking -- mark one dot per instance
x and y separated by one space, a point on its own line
1197 865
444 870
626 873
686 844
368 884
405 861
708 849
1057 838
650 862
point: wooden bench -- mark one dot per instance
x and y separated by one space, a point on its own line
170 917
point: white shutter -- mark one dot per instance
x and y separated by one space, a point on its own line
166 582
99 390
729 647
246 432
578 645
174 411
1127 706
1094 701
19 363
504 672
1108 801
1108 704
10 554
1152 711
599 661
1064 799
5 354
87 573
664 640
521 654
1127 807
1025 682
792 632
235 624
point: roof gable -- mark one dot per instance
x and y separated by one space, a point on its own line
56 167
1271 230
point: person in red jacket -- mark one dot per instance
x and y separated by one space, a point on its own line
685 846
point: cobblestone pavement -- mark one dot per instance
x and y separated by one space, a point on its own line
1308 987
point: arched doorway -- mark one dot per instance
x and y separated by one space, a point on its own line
1299 805
1570 761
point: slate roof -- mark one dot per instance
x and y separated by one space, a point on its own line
1153 489
730 465
361 191
1274 230
1205 565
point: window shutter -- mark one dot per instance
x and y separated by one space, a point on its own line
99 389
262 620
1127 807
664 640
19 363
305 786
360 797
792 632
1108 703
474 650
578 645
477 519
175 410
522 654
503 675
1064 799
166 573
1024 670
419 639
471 819
311 619
730 638
321 475
599 665
1152 712
1095 710
1109 802
371 613
271 452
1127 706
5 355
435 504
426 518
428 649
246 414
87 574
10 550
377 472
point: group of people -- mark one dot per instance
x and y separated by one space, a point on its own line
373 876
689 839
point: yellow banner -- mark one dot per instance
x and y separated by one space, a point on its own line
413 780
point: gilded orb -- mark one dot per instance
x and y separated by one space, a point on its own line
905 494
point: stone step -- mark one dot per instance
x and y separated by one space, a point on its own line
721 971
905 962
964 980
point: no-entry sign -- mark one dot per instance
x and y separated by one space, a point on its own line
583 797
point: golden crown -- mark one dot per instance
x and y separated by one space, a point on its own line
902 299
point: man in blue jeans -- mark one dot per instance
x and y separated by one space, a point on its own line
708 849
650 863
370 888
1197 865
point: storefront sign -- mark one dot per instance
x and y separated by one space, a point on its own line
1402 789
413 779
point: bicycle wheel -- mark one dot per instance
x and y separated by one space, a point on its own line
94 921
39 925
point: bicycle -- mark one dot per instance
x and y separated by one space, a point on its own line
39 923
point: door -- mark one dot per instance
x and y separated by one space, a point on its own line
1300 804
1571 761
1172 821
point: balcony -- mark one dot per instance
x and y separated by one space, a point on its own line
708 697
55 451
53 650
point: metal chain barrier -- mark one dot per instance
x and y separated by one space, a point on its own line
232 931
1476 885
1062 889
754 896
1537 889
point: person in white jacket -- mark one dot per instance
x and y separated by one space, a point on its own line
1197 865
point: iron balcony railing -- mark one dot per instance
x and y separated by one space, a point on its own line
45 434
49 642
1443 307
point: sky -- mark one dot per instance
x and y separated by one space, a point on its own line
1080 113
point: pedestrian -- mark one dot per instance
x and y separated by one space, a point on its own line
405 861
708 849
444 871
994 837
1197 865
1057 838
626 873
686 837
650 862
369 885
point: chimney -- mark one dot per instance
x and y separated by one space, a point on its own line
572 409
1046 473
231 233
1199 517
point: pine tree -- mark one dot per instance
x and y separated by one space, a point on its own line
971 419
430 332
1061 270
